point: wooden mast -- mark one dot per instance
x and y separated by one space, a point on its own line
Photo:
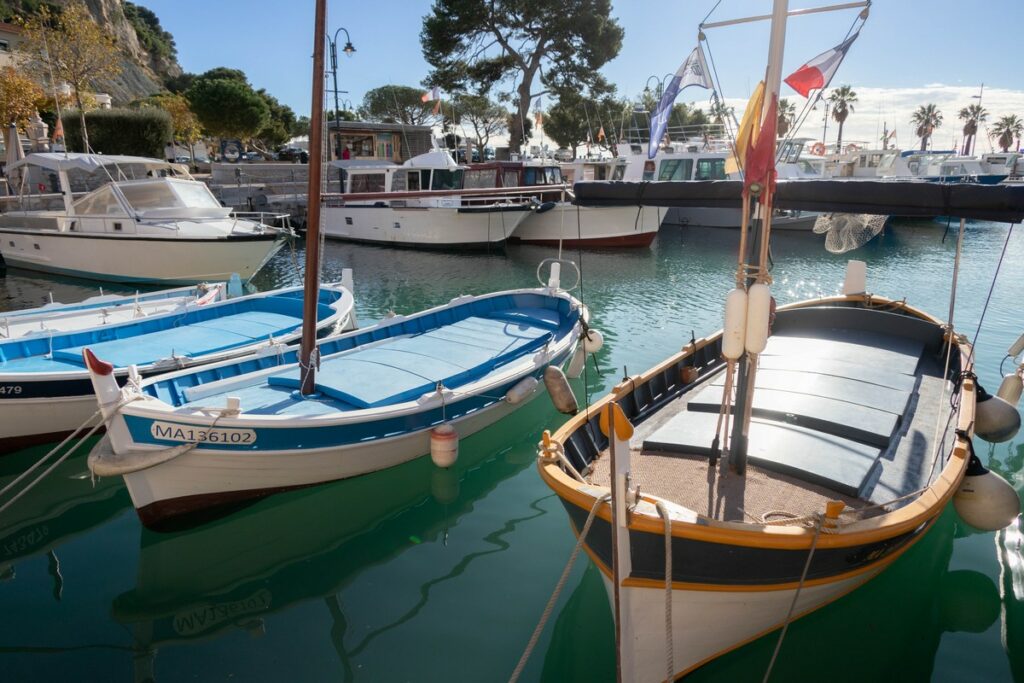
311 296
748 365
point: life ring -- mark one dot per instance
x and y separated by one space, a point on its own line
818 149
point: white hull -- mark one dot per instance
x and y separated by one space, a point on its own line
207 473
708 623
131 259
609 225
730 218
437 227
30 418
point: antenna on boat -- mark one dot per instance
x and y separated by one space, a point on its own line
308 356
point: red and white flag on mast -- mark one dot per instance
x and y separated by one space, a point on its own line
817 73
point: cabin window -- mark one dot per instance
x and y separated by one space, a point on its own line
367 182
413 178
676 169
510 179
710 169
648 170
446 180
102 202
530 177
552 175
480 178
398 182
619 172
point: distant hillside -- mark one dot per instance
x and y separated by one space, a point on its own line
150 57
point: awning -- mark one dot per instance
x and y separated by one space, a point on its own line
888 198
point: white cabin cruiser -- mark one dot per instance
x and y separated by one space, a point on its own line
443 222
138 220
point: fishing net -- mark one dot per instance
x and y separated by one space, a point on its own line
848 231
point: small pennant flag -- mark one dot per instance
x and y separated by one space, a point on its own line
430 95
817 73
694 71
437 107
600 134
760 156
58 131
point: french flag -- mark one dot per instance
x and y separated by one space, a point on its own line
817 73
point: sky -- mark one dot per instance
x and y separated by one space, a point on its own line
910 52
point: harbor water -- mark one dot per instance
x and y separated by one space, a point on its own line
420 574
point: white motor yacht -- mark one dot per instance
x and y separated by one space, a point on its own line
448 221
127 219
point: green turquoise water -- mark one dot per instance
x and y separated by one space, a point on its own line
414 574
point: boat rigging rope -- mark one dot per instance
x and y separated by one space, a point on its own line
669 663
517 672
796 596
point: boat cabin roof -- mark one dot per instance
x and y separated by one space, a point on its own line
89 163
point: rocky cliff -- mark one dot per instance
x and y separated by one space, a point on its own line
149 55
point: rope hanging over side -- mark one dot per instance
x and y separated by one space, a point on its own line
558 589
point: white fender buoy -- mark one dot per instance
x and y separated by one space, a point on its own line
592 341
1010 388
985 500
522 390
995 419
559 391
577 362
734 331
444 445
759 310
1016 347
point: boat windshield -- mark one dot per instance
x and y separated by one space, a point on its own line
445 179
168 194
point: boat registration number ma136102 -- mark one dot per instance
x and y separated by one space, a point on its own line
168 431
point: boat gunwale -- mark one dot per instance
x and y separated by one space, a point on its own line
903 520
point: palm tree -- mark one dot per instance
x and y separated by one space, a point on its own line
972 115
926 119
787 115
842 99
1006 129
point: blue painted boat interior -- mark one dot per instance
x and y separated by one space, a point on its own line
389 364
200 331
125 300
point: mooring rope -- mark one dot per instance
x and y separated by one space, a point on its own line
558 589
796 596
669 663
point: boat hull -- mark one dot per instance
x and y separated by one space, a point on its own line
138 259
424 228
201 480
731 218
29 422
592 227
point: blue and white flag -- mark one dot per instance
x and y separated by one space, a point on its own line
694 71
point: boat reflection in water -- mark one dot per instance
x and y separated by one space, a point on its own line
68 504
312 544
1010 553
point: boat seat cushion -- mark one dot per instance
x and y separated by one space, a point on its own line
813 456
407 368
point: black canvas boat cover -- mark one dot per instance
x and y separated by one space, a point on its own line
888 198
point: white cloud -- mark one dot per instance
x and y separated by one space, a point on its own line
893 107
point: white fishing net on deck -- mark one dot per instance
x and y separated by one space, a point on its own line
848 231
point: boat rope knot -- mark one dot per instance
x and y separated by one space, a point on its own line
551 451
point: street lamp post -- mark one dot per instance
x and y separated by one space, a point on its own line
347 49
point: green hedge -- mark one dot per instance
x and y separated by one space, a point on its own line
139 132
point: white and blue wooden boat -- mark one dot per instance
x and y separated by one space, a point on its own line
237 430
44 386
104 309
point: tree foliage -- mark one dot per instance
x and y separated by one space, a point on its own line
280 121
19 98
228 107
926 118
476 115
1007 129
73 45
397 104
478 44
842 100
972 116
575 119
139 132
150 33
787 115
